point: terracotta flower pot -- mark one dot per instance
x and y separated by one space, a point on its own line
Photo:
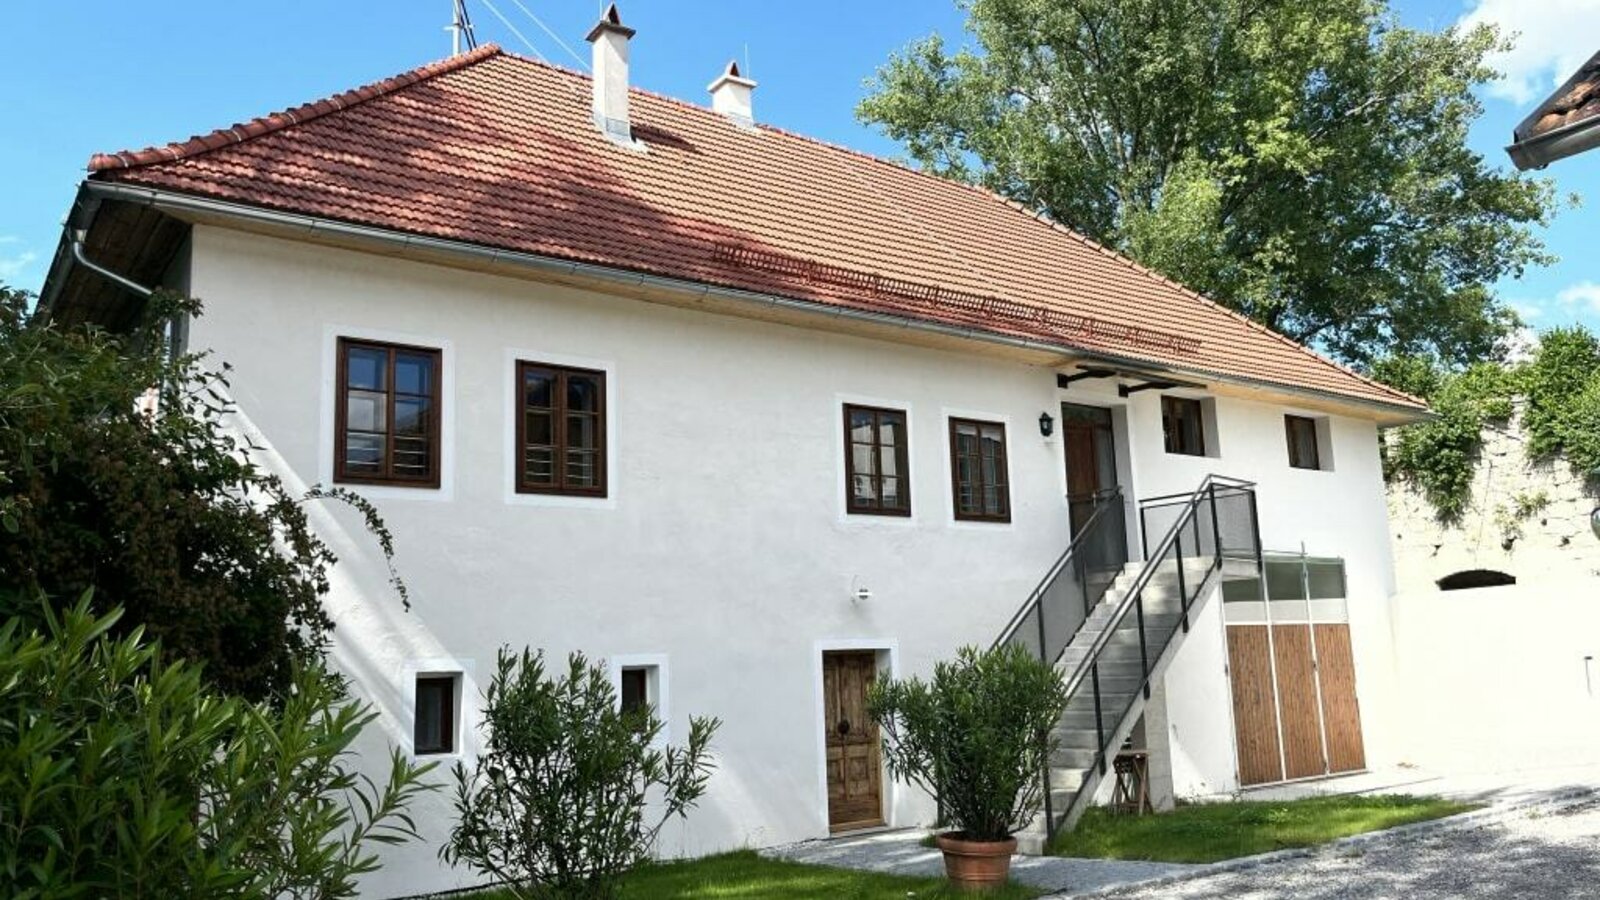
976 865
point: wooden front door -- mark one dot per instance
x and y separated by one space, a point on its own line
855 772
1091 460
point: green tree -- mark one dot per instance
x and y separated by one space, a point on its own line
157 506
1302 162
122 774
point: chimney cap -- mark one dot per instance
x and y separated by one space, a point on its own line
731 75
610 21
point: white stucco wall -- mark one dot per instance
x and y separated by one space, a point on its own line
723 545
1498 679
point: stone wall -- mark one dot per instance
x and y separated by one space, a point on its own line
1527 518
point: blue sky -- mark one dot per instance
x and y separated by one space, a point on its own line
96 76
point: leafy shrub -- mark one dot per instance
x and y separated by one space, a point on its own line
156 506
123 775
976 737
1564 367
556 805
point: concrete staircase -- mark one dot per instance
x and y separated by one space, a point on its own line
1074 774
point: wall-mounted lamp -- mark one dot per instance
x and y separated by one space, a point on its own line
1047 425
1594 521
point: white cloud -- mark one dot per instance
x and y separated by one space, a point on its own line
12 266
1583 293
1553 39
1528 311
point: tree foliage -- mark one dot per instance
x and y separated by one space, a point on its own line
154 502
556 807
122 774
1560 387
975 736
1304 163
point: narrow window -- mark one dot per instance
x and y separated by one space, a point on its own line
635 688
1302 435
978 470
1183 425
434 730
561 430
388 415
877 475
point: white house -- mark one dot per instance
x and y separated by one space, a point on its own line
751 417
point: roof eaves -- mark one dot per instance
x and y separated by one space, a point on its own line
1196 295
299 115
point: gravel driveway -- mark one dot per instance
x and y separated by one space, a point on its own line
1528 855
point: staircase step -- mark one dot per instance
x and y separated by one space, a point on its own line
1073 758
1082 719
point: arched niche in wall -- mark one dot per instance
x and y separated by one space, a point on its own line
1475 578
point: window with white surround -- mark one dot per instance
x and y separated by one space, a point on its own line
1189 425
436 723
1308 442
641 681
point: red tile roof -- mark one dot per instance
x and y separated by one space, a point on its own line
498 150
1577 101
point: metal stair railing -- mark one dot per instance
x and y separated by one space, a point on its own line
1054 612
1214 523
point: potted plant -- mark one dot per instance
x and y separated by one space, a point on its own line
977 736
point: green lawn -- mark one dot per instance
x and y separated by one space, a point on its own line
1208 832
746 875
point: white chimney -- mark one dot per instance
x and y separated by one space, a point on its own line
730 95
610 40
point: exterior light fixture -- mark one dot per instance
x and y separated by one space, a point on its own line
1594 521
1047 427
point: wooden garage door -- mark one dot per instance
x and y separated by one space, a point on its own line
1255 716
1317 738
1340 713
1297 702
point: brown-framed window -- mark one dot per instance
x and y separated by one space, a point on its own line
434 726
1302 436
387 421
978 470
561 430
877 472
1183 425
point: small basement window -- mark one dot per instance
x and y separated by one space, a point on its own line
434 726
1475 578
635 688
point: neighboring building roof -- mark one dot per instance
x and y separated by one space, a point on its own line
501 151
1566 123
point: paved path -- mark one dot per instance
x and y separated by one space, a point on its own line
1539 839
901 852
1541 853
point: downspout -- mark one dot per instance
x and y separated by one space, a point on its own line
75 238
83 260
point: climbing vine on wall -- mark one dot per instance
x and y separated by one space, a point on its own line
1560 383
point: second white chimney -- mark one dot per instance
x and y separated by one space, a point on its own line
731 96
610 39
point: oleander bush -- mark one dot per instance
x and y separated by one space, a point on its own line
123 774
976 736
570 791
